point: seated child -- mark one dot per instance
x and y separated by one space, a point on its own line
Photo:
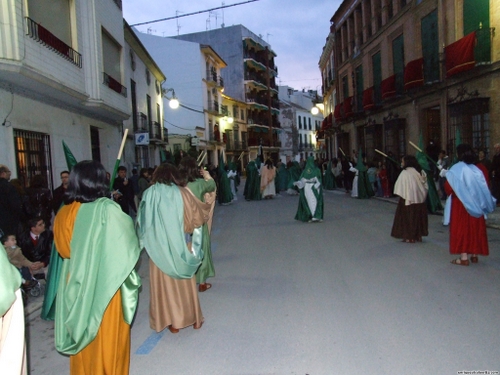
19 261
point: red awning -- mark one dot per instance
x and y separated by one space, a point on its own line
414 74
329 120
348 107
388 87
460 55
338 112
323 124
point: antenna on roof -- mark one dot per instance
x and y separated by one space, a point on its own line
177 12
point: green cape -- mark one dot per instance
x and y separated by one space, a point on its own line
329 178
304 213
104 252
224 194
160 227
10 281
252 183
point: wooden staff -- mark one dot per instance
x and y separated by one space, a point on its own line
342 151
420 150
117 163
241 155
200 162
387 156
200 155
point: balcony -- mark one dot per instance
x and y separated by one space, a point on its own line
141 125
165 135
114 85
155 131
45 37
213 106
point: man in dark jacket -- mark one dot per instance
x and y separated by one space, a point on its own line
36 242
58 193
124 186
10 203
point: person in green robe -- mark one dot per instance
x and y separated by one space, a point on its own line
224 194
12 338
202 185
310 207
294 172
328 177
365 189
252 183
281 178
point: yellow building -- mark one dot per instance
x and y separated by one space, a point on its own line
395 69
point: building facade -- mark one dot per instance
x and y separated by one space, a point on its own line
300 129
194 78
57 85
405 68
249 77
147 137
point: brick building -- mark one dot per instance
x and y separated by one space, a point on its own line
395 69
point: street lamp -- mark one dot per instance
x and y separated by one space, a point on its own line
173 101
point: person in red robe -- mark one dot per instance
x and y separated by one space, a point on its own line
467 228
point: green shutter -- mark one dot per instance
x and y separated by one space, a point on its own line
398 60
430 47
477 18
359 88
377 77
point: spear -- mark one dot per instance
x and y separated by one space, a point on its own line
117 164
387 156
419 149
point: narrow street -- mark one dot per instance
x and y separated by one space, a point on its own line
337 297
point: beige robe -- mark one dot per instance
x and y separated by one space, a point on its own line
174 302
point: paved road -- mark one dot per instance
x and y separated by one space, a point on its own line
338 297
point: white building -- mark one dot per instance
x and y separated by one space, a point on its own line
299 126
57 85
147 140
193 72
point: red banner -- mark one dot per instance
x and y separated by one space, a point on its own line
348 107
414 74
338 112
460 55
368 102
388 87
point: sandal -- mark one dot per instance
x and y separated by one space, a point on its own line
460 262
204 287
474 259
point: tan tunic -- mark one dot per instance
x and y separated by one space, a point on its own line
174 302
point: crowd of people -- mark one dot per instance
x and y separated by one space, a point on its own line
173 206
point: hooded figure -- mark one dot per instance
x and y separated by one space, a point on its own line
329 178
252 183
364 186
311 193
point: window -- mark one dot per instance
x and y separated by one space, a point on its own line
309 123
158 113
132 60
300 122
32 156
430 47
148 77
477 18
148 104
398 61
53 15
472 120
111 52
359 88
236 112
95 143
133 93
377 78
142 156
345 87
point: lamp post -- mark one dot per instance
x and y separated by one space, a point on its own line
173 101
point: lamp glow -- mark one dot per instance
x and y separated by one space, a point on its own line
174 103
314 110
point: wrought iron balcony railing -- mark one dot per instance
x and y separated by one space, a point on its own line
155 130
45 37
114 85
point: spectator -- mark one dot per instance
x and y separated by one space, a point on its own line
18 260
443 163
143 182
495 174
58 194
134 180
10 203
481 158
125 198
36 242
